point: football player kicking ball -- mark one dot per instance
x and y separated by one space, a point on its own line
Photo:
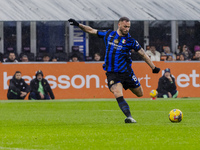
118 62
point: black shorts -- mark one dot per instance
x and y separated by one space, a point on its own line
128 80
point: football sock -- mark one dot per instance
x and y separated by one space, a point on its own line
165 96
175 95
124 106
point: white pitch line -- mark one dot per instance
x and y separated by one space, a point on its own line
16 148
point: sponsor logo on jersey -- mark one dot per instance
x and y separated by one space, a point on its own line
112 82
116 41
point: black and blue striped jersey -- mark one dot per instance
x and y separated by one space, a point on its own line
118 48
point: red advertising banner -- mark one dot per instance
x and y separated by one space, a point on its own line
88 80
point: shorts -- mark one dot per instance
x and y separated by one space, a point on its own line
128 80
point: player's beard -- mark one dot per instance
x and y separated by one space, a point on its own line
123 33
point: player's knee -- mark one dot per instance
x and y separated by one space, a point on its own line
140 94
117 93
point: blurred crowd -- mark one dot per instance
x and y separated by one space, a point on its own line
182 53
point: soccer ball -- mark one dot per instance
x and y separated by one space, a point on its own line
175 115
153 93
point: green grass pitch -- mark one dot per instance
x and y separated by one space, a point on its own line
98 124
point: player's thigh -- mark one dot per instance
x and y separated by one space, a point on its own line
117 89
137 91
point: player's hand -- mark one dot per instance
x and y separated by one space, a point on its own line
73 22
156 70
42 96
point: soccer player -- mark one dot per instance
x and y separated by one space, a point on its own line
118 62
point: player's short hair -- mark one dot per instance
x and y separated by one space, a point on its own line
124 19
17 72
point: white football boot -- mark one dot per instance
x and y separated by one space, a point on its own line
130 120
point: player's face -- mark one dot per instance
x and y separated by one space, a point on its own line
18 76
124 27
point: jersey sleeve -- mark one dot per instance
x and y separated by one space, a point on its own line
136 46
101 34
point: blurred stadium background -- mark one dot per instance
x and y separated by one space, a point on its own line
41 26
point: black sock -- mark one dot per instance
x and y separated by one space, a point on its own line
124 106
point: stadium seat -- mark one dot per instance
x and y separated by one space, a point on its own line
9 50
26 51
196 48
75 51
42 52
39 56
60 54
88 58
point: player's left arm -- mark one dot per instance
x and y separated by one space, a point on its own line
146 58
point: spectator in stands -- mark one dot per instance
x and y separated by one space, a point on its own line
74 58
24 58
153 54
181 57
40 88
197 56
166 86
185 50
11 57
97 57
167 52
18 88
178 50
147 47
77 53
54 59
46 58
169 58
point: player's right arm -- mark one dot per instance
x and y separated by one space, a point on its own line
87 29
148 60
83 27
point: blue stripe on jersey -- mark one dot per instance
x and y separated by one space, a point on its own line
117 56
109 51
123 65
